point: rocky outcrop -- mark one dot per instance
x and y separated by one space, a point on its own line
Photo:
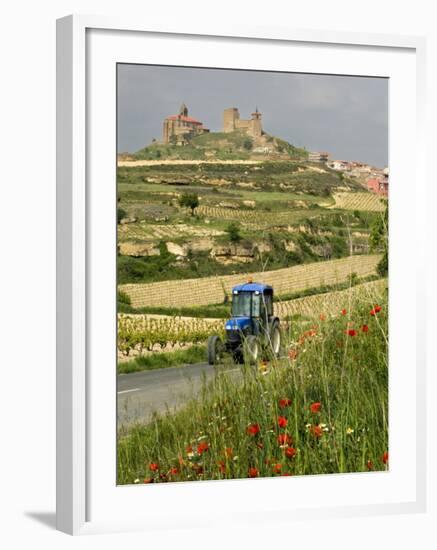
233 253
137 250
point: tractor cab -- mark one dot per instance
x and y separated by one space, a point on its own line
252 328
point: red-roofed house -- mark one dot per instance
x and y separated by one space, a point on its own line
179 129
378 185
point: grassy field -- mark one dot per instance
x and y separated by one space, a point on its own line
322 409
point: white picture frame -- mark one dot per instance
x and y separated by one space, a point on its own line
78 233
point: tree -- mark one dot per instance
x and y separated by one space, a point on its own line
233 232
189 200
379 240
121 214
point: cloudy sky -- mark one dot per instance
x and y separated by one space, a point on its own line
346 116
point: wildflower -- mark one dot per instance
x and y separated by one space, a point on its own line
292 354
351 332
253 429
343 312
153 467
286 474
221 466
228 452
365 328
317 431
290 452
322 317
174 471
384 457
282 421
136 480
369 465
284 439
148 480
283 403
202 447
277 468
235 458
189 449
376 309
315 407
253 472
349 431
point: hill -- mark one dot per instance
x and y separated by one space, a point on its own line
224 146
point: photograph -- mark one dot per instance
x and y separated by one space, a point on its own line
252 274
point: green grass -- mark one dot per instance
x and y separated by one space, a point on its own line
194 354
346 372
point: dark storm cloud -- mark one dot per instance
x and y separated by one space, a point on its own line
346 116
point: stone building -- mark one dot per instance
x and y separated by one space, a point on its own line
179 129
232 122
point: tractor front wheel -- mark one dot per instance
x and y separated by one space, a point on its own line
251 349
215 350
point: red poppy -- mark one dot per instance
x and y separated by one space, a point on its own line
315 407
351 332
174 471
282 421
148 480
384 457
221 466
377 309
369 465
286 474
317 431
343 312
153 466
365 328
202 447
277 468
229 452
283 403
253 472
372 312
284 439
253 429
290 452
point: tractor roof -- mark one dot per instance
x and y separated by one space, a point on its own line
252 287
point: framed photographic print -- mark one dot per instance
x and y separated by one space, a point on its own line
237 327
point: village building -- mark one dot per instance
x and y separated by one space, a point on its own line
379 185
315 156
180 129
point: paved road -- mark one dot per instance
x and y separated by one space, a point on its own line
141 393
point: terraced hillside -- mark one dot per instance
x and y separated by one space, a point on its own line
212 290
359 201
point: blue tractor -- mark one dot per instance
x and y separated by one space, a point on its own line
252 330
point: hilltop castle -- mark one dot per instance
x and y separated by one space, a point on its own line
232 122
179 129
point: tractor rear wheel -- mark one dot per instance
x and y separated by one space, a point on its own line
215 350
275 339
251 349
